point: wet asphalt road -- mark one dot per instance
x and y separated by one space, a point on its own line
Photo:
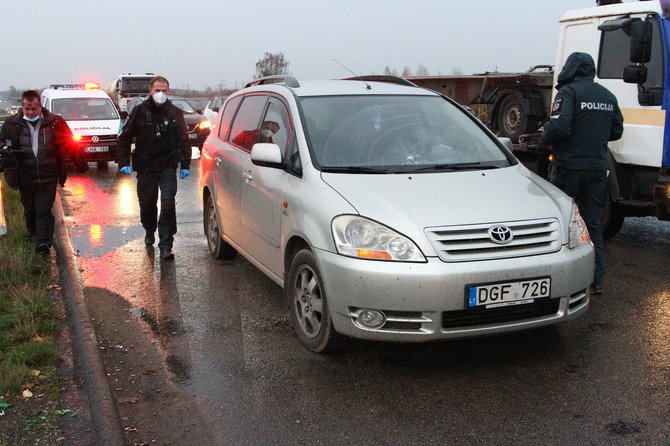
602 379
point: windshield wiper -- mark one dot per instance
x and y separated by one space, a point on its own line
455 167
354 169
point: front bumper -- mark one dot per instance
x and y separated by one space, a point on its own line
426 301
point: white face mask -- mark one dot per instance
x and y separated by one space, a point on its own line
160 98
267 133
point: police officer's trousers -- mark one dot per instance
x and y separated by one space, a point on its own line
148 184
589 189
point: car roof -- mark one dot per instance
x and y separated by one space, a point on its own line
73 93
343 87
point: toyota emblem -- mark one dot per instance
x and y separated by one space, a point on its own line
500 234
95 139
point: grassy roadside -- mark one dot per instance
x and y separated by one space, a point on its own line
29 388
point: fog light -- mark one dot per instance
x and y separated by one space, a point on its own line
371 318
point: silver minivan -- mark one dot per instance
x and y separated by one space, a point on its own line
387 212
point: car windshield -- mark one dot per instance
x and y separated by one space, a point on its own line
182 105
82 109
135 85
198 103
391 134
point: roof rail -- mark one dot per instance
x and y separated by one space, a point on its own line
382 78
289 81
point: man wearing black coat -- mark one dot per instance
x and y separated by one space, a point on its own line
161 144
39 140
585 116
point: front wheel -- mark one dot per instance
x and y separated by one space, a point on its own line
612 218
308 305
218 248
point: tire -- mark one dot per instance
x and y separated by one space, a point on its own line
512 117
81 166
308 305
218 248
612 218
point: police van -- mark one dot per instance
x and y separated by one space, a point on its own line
94 121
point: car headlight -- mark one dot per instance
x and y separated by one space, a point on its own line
359 237
579 233
203 125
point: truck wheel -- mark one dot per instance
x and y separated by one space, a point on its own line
512 117
612 218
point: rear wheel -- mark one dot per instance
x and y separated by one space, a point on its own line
308 305
218 248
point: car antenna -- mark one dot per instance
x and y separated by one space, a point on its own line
343 66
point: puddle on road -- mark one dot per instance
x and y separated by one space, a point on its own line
97 240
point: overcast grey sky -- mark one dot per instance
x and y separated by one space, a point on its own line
200 43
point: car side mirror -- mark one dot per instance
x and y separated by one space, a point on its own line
266 154
507 142
123 114
199 111
215 109
635 74
640 41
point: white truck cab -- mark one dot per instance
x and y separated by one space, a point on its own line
91 116
630 44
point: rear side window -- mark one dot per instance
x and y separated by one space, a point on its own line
244 131
227 117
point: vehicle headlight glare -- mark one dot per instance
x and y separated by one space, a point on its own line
359 237
579 233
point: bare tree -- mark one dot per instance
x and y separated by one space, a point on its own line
422 70
458 71
406 71
271 64
389 71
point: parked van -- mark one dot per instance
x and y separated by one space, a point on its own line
388 212
93 119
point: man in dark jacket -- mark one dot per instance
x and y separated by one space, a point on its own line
161 143
585 116
39 141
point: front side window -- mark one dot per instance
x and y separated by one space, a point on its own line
276 126
396 134
244 132
83 109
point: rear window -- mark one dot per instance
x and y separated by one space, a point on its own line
83 109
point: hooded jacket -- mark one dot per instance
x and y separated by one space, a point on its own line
55 144
584 117
161 137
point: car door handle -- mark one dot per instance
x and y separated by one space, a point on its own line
248 178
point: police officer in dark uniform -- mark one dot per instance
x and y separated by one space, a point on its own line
161 144
585 116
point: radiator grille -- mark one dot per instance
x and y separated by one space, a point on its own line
472 242
473 317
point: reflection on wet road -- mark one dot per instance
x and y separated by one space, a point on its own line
227 338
